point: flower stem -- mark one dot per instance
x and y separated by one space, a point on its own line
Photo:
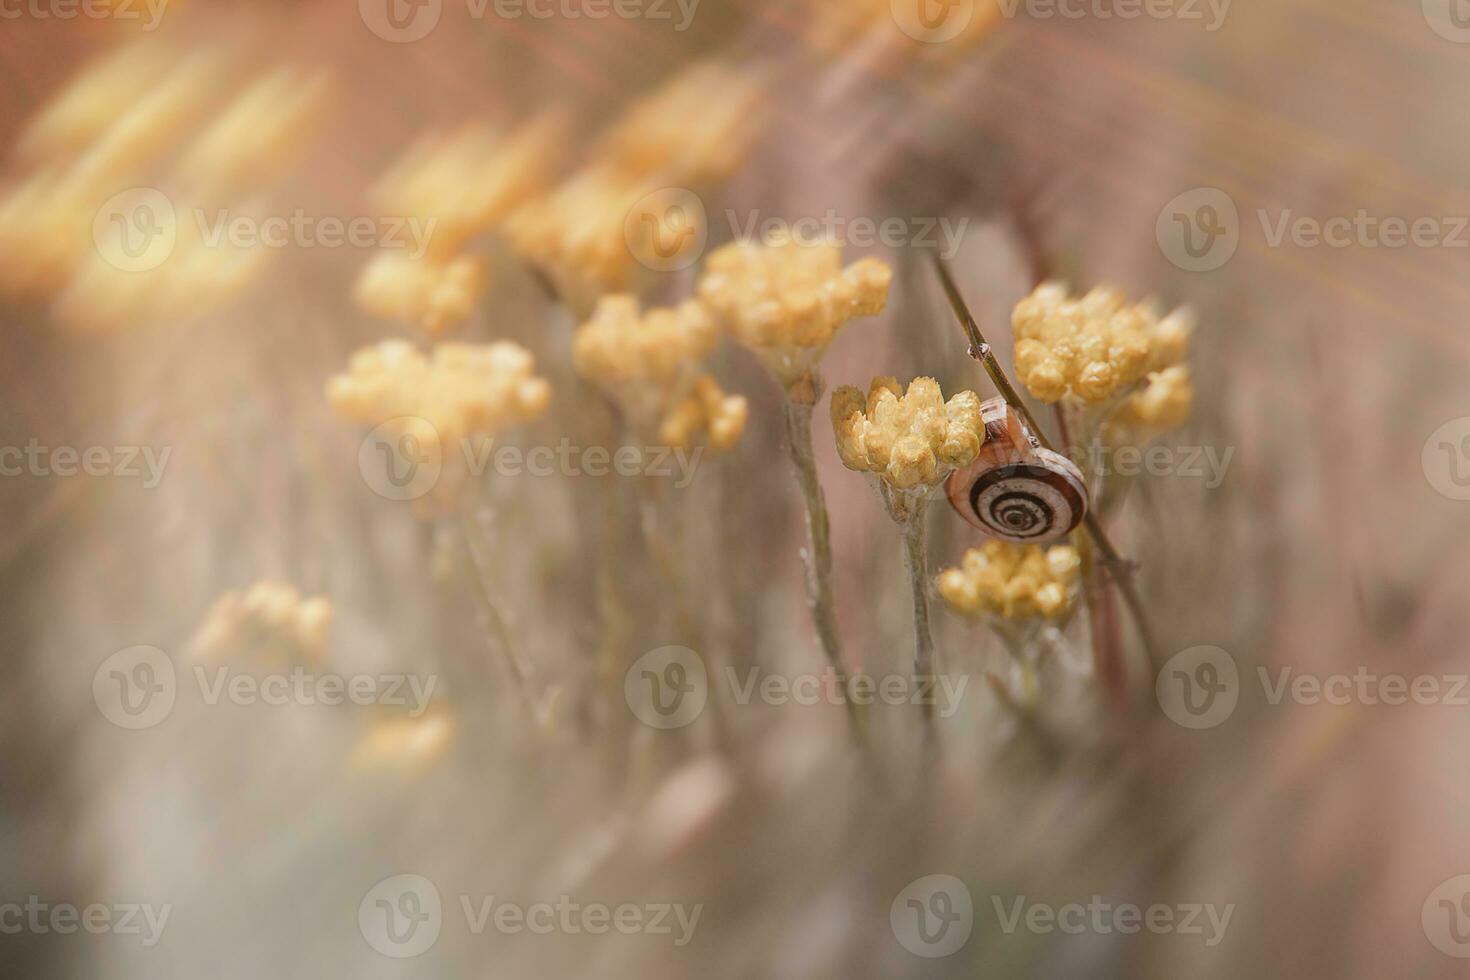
916 558
800 400
817 556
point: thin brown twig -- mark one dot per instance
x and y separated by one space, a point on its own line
1119 568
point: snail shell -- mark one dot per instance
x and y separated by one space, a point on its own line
1014 491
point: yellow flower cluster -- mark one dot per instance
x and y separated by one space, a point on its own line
97 98
251 140
627 215
404 743
459 392
86 143
459 185
696 128
431 294
111 260
600 232
467 182
648 363
196 276
708 413
623 344
1013 581
786 300
908 440
1094 348
270 619
1164 403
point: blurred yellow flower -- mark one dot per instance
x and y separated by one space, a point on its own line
254 138
1013 581
270 620
1094 348
404 743
458 392
694 129
787 300
94 100
602 232
1164 403
469 181
649 364
430 293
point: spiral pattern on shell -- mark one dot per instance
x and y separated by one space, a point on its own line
1030 502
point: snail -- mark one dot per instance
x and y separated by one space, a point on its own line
1014 490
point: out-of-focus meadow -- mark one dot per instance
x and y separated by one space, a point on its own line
203 240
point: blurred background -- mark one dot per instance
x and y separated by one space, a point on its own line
203 210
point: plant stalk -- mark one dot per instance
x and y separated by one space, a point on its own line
817 556
916 558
